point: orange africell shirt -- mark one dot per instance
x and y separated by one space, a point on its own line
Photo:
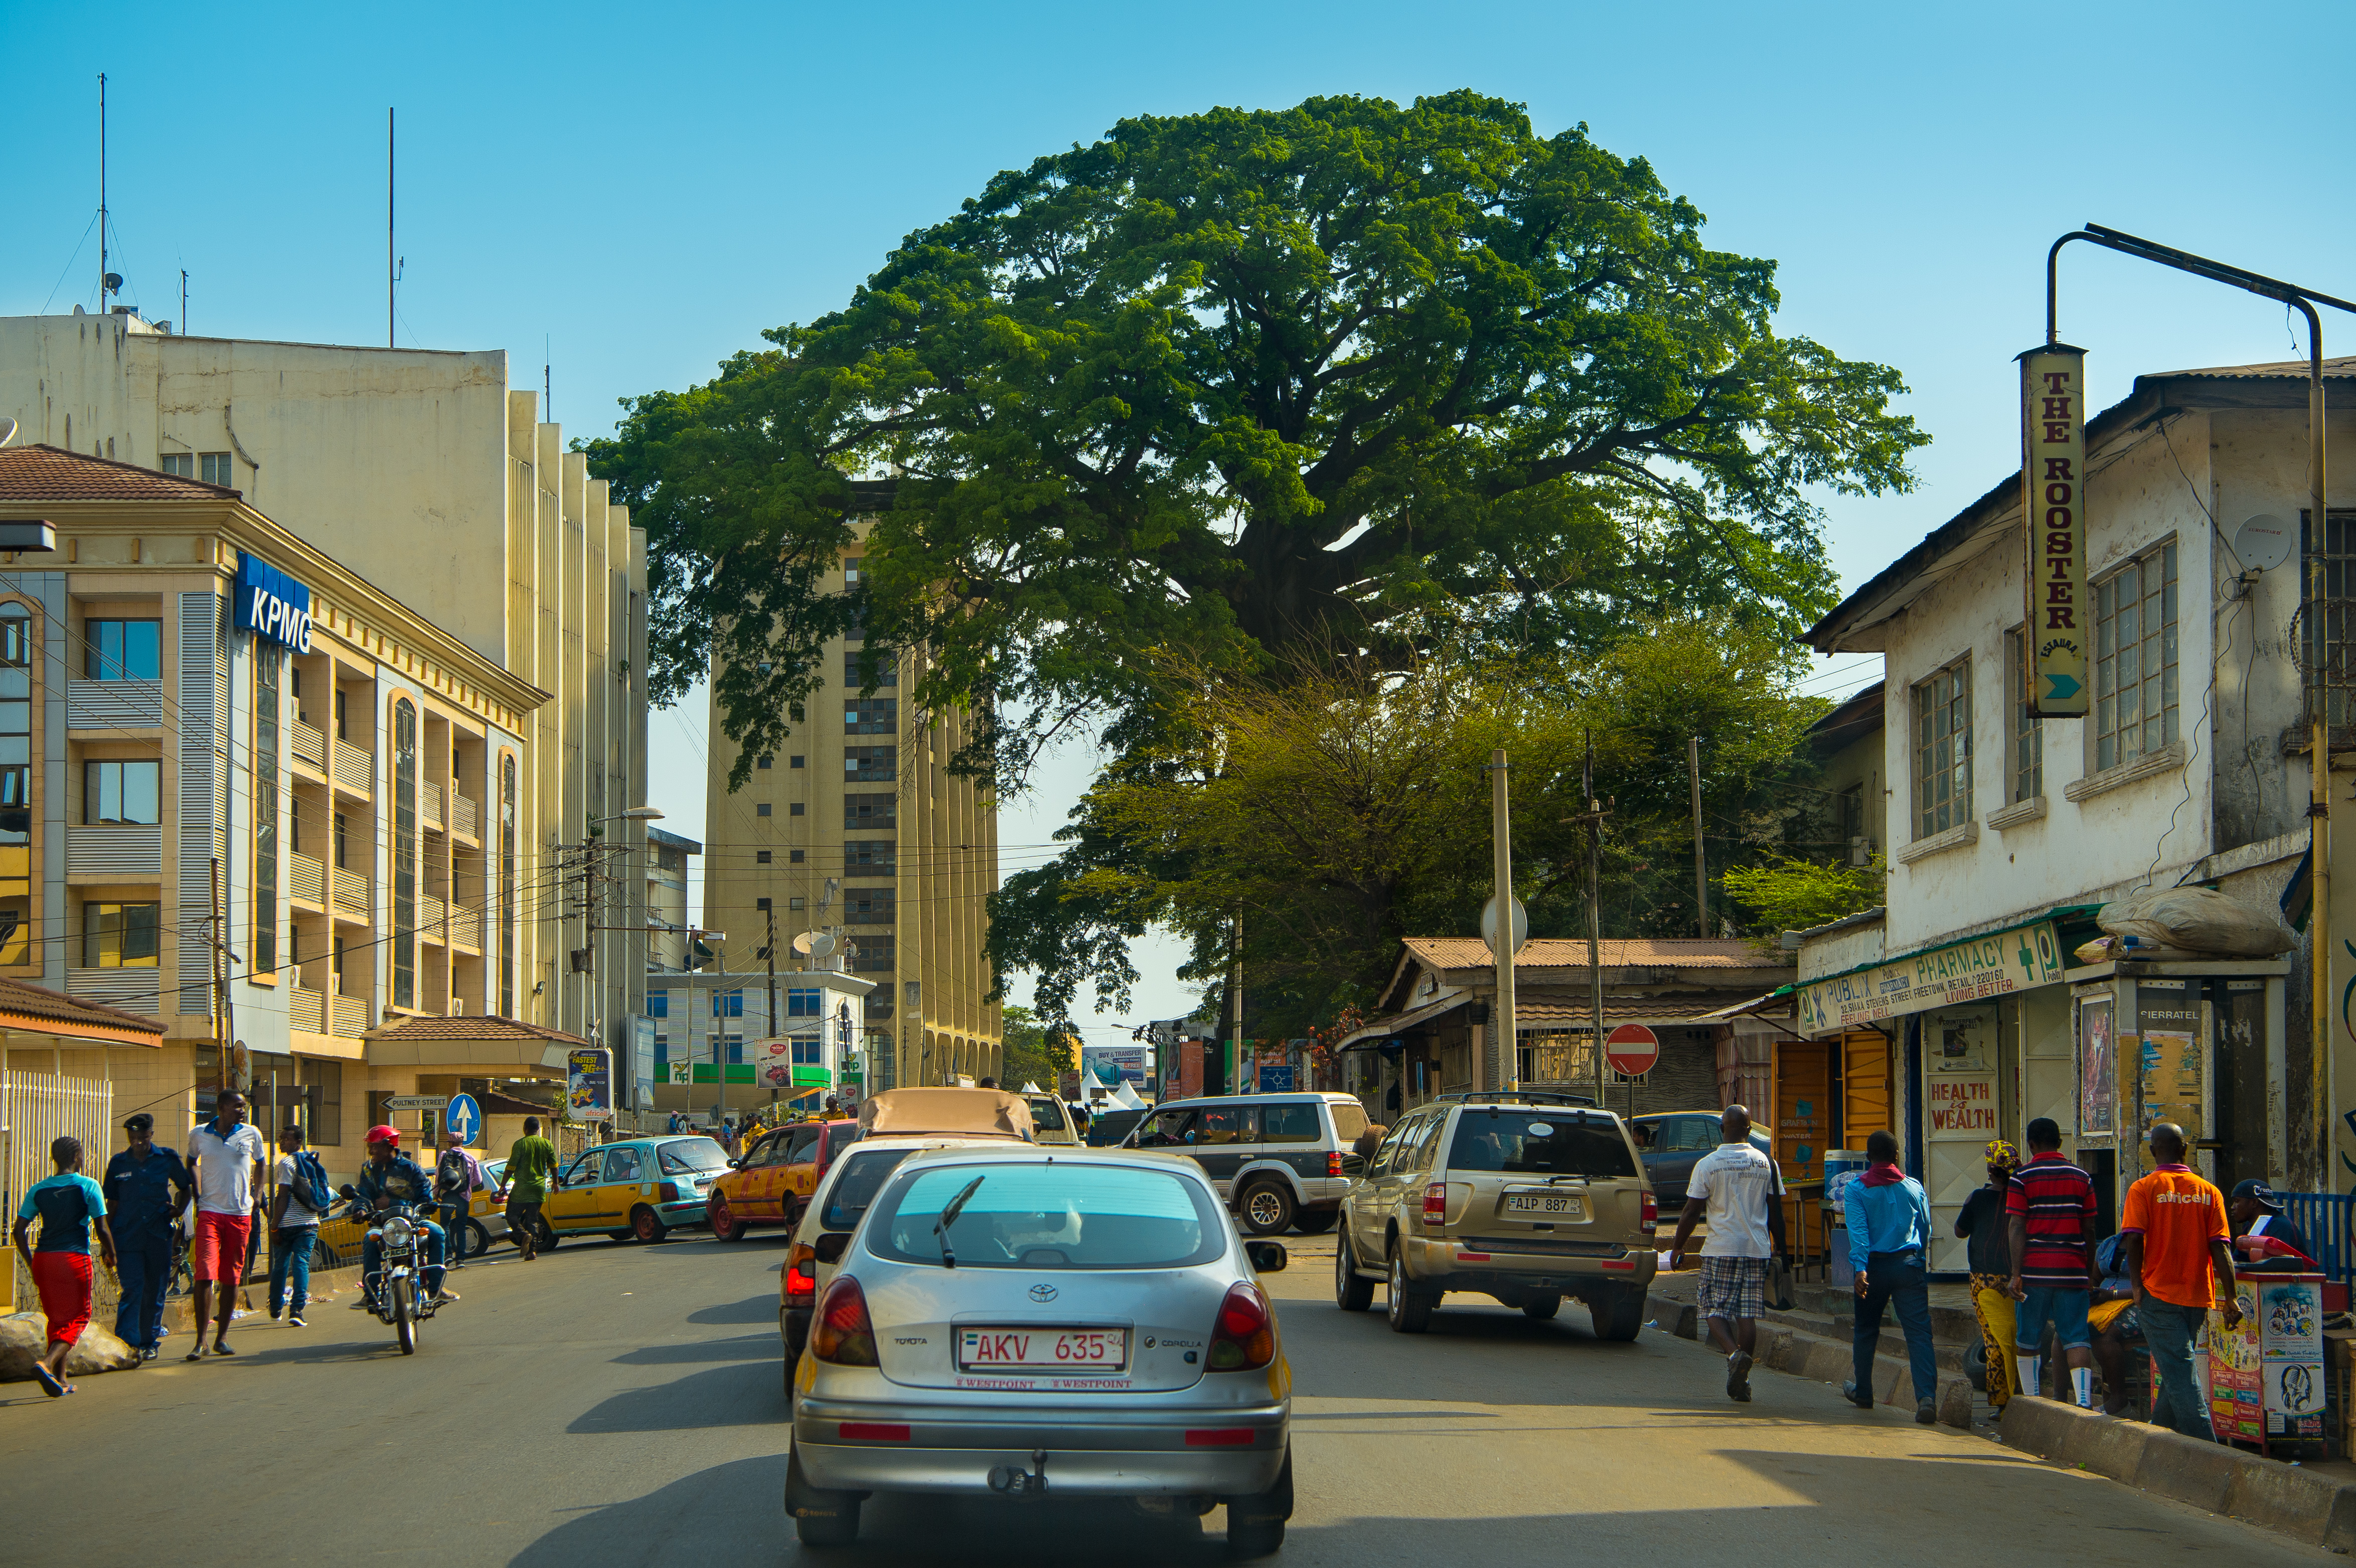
2178 1214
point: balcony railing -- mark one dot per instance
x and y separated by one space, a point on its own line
429 919
114 704
116 851
352 893
466 817
307 1010
355 770
466 928
347 1017
306 880
134 990
429 805
310 744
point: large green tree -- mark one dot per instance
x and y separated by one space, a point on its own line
1249 383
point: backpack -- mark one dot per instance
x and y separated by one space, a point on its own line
311 1183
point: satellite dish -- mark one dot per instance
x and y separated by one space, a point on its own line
821 943
7 431
2264 543
1489 924
802 944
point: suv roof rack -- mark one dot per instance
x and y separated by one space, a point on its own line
1518 1096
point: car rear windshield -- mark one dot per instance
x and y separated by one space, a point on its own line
1539 1142
694 1154
1046 1115
1063 1214
840 1137
864 1173
1349 1120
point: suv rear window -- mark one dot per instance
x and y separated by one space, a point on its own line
1349 1121
1539 1142
860 1180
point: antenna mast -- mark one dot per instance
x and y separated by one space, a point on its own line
387 231
101 193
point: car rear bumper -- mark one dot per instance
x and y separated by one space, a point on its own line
685 1213
1444 1265
1206 1452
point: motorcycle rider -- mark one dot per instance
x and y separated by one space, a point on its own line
388 1177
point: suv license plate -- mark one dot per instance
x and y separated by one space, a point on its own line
1553 1204
1042 1349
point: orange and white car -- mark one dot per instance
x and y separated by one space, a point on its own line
772 1183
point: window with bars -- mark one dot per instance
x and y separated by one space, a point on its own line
2026 733
870 810
871 715
2328 638
1943 750
2135 658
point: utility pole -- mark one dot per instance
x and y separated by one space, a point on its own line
389 273
102 274
184 302
1498 1067
1594 818
221 977
770 953
1231 1047
1701 862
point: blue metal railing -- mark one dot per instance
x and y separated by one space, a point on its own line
2325 1217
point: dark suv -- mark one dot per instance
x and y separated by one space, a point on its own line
1672 1142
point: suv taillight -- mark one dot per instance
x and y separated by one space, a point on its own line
1244 1337
1651 1214
840 1332
1333 1161
801 1277
1435 1204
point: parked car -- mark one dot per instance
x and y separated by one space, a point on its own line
639 1188
1017 1321
1279 1160
1526 1198
1051 1120
1671 1143
772 1182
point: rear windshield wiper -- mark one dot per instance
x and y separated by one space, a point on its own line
949 1217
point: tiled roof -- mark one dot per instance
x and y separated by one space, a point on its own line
2278 369
1632 953
70 1014
471 1027
44 473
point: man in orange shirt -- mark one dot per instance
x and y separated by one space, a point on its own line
2174 1236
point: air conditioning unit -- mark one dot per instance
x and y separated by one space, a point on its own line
1860 852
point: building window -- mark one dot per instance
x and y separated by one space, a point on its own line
507 885
735 1049
873 957
761 904
762 809
1943 750
884 673
15 785
267 665
2135 658
343 828
870 810
795 810
760 857
122 791
871 764
179 465
871 715
405 853
793 762
810 1053
2028 737
658 1003
794 903
867 905
120 936
869 857
322 1087
793 857
343 731
765 762
728 1004
805 1002
122 649
217 469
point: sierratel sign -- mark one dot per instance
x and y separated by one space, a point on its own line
272 605
2058 616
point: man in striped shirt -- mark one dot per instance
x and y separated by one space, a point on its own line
2048 1213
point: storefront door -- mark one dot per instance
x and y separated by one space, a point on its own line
1960 1063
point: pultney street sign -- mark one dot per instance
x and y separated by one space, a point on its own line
1631 1049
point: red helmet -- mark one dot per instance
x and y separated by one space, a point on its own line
382 1135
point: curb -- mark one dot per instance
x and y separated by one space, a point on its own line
2210 1476
1812 1356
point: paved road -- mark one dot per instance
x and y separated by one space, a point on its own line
620 1404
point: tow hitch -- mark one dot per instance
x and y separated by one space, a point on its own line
1015 1481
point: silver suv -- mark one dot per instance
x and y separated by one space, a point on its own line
1526 1197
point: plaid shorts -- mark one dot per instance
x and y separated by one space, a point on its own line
1733 1287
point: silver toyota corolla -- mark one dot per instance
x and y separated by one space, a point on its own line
1042 1322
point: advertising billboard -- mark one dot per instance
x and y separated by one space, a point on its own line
589 1083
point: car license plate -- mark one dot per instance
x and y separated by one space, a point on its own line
1042 1349
1554 1205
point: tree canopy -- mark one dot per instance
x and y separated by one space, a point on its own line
1247 383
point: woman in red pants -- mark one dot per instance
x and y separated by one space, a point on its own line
70 1205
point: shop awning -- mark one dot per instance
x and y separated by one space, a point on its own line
2021 955
1398 1023
468 1040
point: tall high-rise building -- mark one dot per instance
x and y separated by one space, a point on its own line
858 829
430 475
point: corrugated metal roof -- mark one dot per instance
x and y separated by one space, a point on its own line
1616 953
2345 366
471 1027
44 473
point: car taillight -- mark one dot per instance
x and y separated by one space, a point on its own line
1333 1161
840 1332
1651 1214
800 1280
670 1192
1435 1204
1245 1336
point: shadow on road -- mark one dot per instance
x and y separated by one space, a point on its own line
738 1348
762 1308
730 1395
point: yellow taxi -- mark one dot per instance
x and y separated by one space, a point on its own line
637 1188
772 1183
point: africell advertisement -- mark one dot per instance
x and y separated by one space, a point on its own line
589 1083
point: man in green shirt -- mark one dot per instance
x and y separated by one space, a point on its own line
524 1185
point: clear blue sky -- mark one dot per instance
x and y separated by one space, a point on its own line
649 187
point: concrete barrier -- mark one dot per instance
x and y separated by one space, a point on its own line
2297 1502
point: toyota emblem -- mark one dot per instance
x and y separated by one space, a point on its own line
1043 1293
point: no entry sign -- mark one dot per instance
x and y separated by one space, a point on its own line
1631 1049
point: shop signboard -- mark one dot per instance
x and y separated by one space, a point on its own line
1979 970
2052 498
2168 1079
589 1083
2266 1374
2098 1069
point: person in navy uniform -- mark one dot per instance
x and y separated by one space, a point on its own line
146 1188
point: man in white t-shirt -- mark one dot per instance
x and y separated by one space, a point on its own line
228 1154
1740 1189
293 1229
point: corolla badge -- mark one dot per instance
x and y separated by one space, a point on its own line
1043 1293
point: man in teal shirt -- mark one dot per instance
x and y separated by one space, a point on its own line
1890 1248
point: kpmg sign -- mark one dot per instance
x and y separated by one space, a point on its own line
272 605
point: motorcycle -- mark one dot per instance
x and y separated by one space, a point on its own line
401 1302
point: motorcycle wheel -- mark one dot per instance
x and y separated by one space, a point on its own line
404 1316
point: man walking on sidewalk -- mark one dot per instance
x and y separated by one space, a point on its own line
2047 1216
146 1187
524 1185
1742 1192
293 1227
2174 1236
456 1177
1890 1248
228 1156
